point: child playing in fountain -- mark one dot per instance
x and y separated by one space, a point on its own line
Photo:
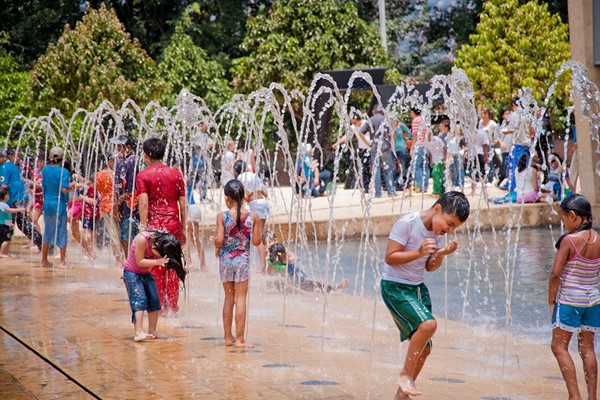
90 211
415 245
573 294
6 224
236 228
148 249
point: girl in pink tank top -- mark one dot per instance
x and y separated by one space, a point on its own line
147 250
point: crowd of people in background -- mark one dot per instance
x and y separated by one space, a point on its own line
386 152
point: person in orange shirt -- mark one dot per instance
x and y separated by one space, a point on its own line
104 186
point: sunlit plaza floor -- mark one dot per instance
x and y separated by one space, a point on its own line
67 334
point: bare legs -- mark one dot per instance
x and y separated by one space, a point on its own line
63 256
152 323
235 295
415 359
193 233
560 348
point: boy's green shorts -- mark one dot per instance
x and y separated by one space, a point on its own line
409 305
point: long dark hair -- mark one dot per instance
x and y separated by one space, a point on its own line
169 246
234 189
582 208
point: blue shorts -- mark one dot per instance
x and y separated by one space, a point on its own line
142 292
88 223
128 228
575 319
55 231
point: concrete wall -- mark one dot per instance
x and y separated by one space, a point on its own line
582 50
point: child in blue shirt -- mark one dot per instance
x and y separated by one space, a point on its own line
6 224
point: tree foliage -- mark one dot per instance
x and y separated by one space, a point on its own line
510 50
14 84
33 24
186 66
95 61
301 37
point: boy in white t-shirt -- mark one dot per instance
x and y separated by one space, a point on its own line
415 245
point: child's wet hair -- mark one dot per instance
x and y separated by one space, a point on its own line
234 189
239 167
581 206
154 147
276 253
3 193
169 246
455 203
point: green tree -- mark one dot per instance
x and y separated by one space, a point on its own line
32 24
94 62
301 37
186 66
14 85
515 46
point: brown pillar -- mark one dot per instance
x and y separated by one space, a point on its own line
581 32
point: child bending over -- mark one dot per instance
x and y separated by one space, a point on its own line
149 248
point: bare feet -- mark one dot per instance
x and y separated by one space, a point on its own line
407 385
230 341
142 336
160 335
343 284
2 255
242 345
46 265
400 395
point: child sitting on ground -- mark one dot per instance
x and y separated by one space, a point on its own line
6 223
280 259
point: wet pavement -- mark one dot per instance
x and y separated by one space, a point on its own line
66 334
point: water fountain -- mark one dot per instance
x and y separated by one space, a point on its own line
477 287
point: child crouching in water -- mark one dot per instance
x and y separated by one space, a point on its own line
149 248
573 294
415 245
280 260
236 228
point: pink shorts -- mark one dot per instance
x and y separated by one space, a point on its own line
530 197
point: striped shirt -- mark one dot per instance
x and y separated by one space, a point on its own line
579 281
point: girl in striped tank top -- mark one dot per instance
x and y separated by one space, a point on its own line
573 294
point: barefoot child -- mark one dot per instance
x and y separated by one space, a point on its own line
148 249
415 246
573 294
6 224
236 227
280 260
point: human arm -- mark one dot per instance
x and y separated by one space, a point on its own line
143 209
220 234
182 215
257 230
396 254
562 255
140 254
340 141
12 210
